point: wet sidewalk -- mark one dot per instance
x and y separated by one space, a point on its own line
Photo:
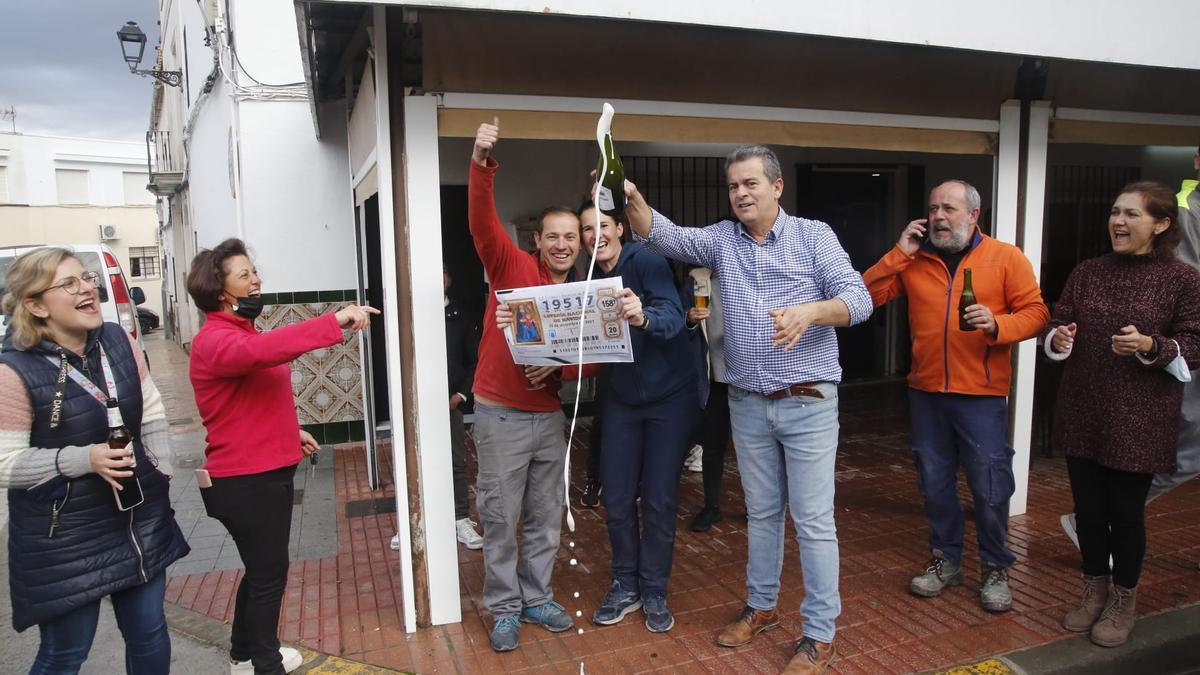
346 600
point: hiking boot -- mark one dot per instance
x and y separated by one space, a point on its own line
505 633
1091 604
658 617
993 589
749 623
549 615
616 604
939 574
1116 622
591 494
468 536
708 516
812 658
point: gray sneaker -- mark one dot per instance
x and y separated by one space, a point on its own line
939 574
993 590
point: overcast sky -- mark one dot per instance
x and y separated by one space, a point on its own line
61 67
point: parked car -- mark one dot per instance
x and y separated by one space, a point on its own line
147 319
118 300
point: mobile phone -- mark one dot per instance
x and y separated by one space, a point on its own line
131 496
203 480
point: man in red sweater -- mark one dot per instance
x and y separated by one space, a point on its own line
518 417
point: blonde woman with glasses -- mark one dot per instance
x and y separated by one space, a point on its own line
78 531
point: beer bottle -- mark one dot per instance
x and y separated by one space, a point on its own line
966 300
119 437
610 198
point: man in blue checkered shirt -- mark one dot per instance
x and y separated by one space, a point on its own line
786 282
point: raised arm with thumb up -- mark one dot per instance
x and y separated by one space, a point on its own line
485 139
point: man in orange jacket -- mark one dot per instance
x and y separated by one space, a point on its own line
960 378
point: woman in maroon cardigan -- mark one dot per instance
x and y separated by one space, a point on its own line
243 390
1129 321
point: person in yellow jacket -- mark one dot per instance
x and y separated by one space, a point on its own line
959 379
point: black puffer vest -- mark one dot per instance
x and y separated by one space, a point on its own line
94 549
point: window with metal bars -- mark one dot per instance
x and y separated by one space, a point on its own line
143 262
688 190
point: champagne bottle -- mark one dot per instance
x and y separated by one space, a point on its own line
610 197
966 300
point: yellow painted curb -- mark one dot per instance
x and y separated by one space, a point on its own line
984 667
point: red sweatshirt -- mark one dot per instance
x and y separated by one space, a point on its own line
243 388
496 376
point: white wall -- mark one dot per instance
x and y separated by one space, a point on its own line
213 214
297 206
264 35
1070 29
32 161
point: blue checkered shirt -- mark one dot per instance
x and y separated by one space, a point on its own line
799 261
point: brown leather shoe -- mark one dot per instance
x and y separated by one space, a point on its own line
812 658
749 623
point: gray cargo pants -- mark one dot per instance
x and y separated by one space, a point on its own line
521 459
1187 457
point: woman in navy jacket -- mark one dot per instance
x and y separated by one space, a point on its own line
69 544
650 407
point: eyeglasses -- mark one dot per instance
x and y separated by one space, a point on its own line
71 284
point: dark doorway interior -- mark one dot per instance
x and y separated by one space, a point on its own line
458 252
368 214
859 203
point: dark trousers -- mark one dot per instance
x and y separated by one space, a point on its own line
644 449
953 430
715 434
257 511
458 461
1110 517
595 438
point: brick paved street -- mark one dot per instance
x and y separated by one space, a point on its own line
346 601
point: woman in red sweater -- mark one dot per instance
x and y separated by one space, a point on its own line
243 391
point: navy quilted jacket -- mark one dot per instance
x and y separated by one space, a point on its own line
94 550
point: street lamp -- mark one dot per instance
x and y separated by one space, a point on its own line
133 45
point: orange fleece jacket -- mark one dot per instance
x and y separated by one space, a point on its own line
946 359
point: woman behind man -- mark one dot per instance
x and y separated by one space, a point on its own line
1128 326
69 544
650 407
243 389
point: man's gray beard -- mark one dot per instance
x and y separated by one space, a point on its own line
958 241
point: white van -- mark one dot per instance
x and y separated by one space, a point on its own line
118 300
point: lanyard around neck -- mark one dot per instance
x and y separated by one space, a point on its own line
65 370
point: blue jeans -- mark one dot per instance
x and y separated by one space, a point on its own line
644 447
952 430
786 451
66 640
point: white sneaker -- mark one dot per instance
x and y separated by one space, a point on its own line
291 661
1068 526
396 543
467 534
695 459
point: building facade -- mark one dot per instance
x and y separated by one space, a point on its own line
67 191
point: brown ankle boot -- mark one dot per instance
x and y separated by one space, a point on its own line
749 623
1115 624
1091 604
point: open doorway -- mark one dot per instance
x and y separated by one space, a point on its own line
866 206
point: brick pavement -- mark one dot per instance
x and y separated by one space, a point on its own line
349 604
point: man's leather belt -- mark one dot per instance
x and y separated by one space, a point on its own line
803 389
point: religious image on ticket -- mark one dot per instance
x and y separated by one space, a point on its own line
546 324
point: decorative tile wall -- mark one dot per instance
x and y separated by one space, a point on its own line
327 383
